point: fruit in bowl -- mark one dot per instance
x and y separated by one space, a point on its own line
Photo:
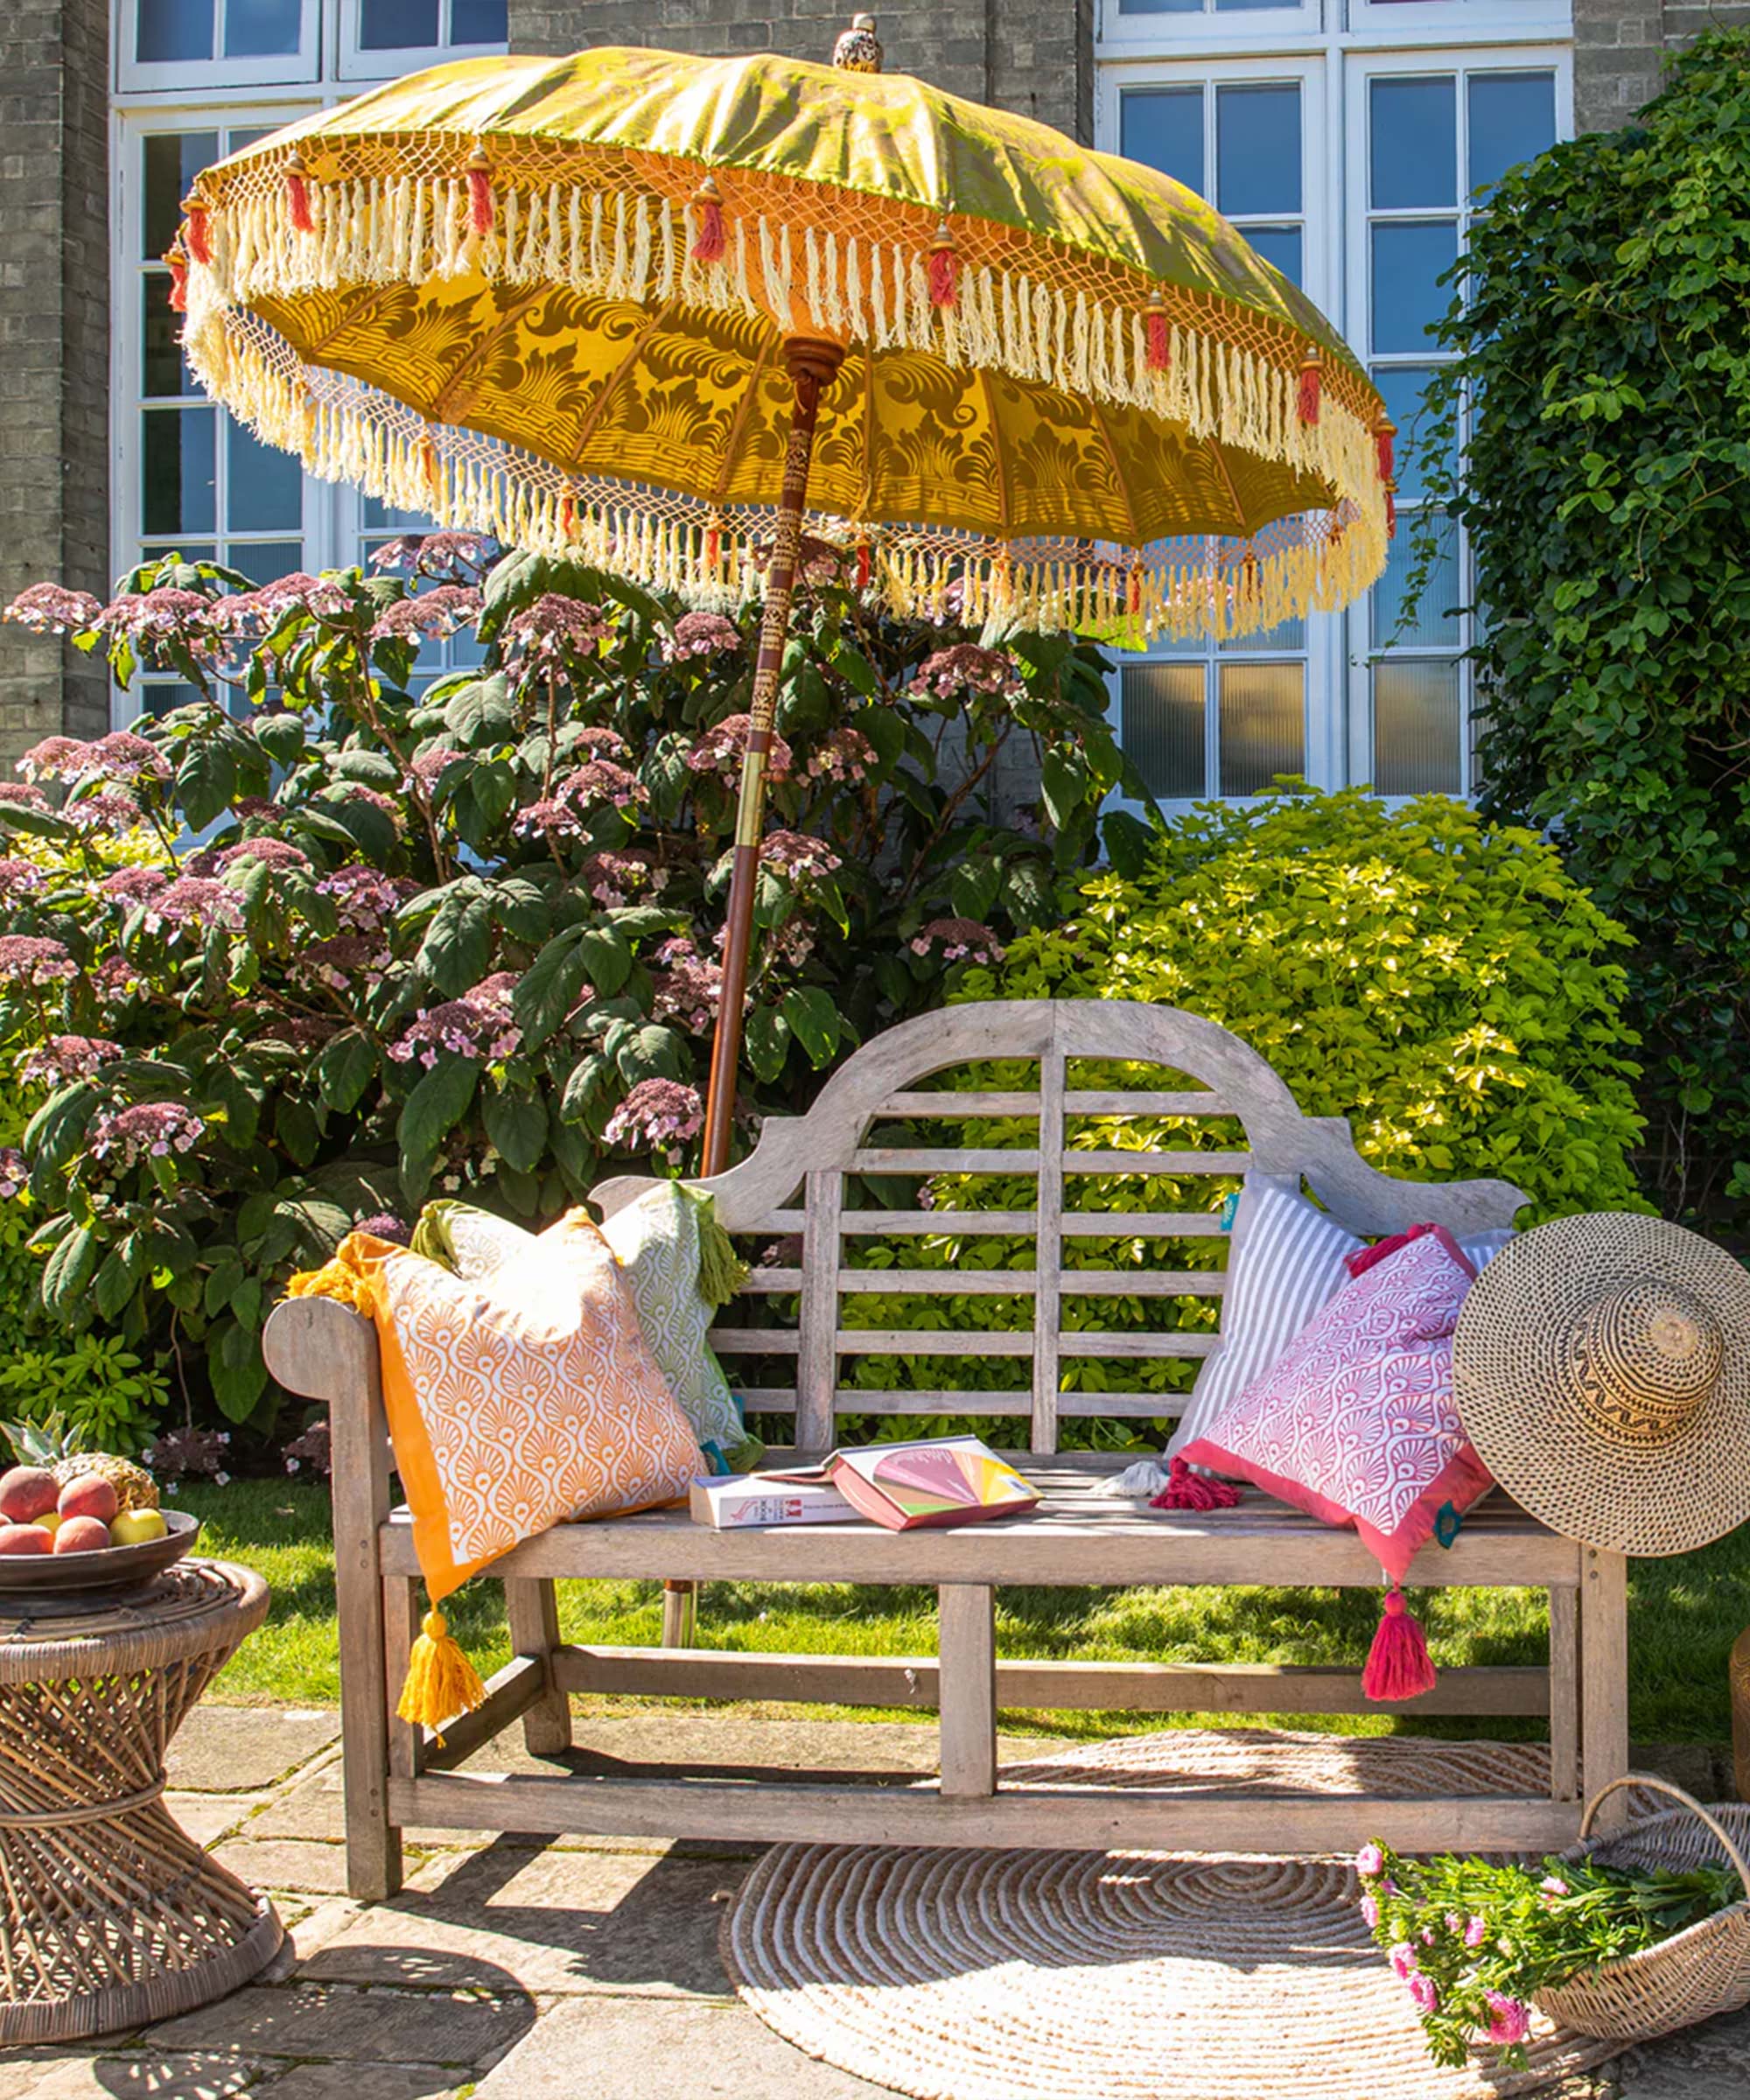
90 1495
20 1539
26 1493
82 1535
137 1527
50 1446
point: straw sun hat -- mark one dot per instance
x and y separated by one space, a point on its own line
1601 1367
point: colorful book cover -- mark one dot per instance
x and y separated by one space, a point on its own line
935 1481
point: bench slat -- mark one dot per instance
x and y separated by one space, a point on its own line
925 1159
1006 1283
946 1105
1079 1162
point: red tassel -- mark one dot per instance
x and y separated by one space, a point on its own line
1188 1490
865 564
1311 381
297 199
711 242
1133 595
944 268
1370 1257
1160 355
178 281
1391 510
568 517
1397 1664
199 248
1383 443
479 195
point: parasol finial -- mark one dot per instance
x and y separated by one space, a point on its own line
858 49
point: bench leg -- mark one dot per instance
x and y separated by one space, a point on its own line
680 1613
532 1608
1604 1678
968 1690
1564 1695
360 1504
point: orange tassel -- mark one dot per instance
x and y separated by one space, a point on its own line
568 518
713 549
1134 595
711 243
944 268
1391 510
1159 356
199 250
178 281
480 193
1383 438
298 197
434 471
1310 382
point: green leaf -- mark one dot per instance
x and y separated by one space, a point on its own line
234 1363
815 1021
550 987
55 1134
457 949
651 1052
522 908
607 960
516 1122
766 1040
298 1129
481 710
345 1067
435 1106
280 736
1063 784
1127 840
70 1270
585 1080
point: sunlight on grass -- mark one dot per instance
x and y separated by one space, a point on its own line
1683 1616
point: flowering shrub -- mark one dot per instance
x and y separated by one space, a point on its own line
298 954
1472 1943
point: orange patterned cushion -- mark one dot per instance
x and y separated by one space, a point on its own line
522 1401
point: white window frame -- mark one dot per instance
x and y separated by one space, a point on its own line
283 69
1123 36
1460 61
353 63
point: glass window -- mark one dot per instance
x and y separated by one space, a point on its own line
397 24
1412 144
178 481
1261 715
1409 257
1280 248
1434 624
262 29
1401 388
173 159
171 32
1163 128
1512 118
1258 148
1417 727
479 21
264 485
1162 712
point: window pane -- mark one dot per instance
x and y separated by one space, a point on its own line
1512 118
1258 148
1280 248
265 561
1413 142
397 24
1291 634
1408 257
262 29
170 31
162 369
1161 708
1432 626
159 699
1160 7
479 21
1231 6
264 487
1416 729
1401 389
1163 128
176 493
172 161
1262 725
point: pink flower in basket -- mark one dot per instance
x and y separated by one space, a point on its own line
1403 1960
1370 1862
1370 1910
1552 1887
1424 1993
1509 2021
1476 1931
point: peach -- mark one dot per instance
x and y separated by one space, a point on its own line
90 1495
81 1535
25 1538
26 1493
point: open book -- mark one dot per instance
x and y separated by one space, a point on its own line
937 1480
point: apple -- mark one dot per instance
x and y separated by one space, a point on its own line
136 1527
26 1493
81 1535
24 1539
90 1495
49 1521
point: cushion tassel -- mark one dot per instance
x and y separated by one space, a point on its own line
1398 1666
298 197
1188 1490
1310 383
479 193
1382 438
711 243
944 268
194 215
441 1684
722 1271
1158 355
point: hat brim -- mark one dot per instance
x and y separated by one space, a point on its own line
1514 1387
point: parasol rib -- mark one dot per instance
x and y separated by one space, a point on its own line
1118 480
1218 459
469 365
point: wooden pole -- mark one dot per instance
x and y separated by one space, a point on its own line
813 365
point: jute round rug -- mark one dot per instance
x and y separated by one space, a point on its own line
1088 1975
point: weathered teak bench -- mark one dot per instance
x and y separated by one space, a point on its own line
395 1777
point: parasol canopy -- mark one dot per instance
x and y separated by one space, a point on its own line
550 299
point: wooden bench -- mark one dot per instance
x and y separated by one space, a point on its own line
1241 1120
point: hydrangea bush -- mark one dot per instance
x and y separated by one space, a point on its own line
322 941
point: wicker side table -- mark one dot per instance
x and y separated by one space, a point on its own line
113 1915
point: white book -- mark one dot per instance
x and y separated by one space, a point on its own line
756 1498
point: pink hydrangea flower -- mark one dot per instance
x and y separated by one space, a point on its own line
598 740
345 960
365 900
53 609
303 1032
109 809
14 795
686 987
1370 1862
1370 1910
60 1058
601 780
544 634
124 757
1509 2021
722 747
478 1025
847 755
661 1114
19 877
278 853
428 614
430 765
613 877
15 1173
56 759
1424 1993
383 1226
555 818
701 634
150 1129
965 668
116 981
254 611
197 901
435 553
149 619
31 959
954 940
133 885
796 855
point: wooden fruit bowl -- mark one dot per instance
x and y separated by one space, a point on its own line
45 1575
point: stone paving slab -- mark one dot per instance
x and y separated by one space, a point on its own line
466 2029
242 1749
559 1922
148 2074
617 2049
209 1818
366 2082
318 1870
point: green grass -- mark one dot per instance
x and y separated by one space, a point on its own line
1683 1616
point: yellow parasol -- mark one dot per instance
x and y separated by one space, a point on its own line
662 314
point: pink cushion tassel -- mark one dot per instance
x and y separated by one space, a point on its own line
1188 1490
1398 1665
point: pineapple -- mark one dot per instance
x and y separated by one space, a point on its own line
46 1443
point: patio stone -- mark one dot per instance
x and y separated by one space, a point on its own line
1708 2062
466 2029
358 2081
143 2075
318 1870
207 1817
241 1749
612 2048
561 1922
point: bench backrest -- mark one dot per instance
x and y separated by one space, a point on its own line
1228 1114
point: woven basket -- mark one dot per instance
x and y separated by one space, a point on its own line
1698 1972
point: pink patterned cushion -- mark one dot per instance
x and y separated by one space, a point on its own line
1355 1422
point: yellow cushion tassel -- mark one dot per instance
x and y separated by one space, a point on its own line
349 1278
441 1684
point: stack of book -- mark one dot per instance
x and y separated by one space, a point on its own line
935 1481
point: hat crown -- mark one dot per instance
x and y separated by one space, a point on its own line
1645 1354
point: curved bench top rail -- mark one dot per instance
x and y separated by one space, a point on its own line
1281 1140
